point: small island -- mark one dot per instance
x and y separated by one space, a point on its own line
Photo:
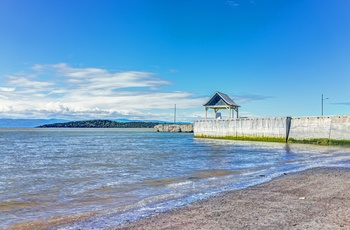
101 124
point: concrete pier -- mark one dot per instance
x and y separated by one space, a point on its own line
320 130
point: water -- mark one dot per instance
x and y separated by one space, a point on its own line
99 178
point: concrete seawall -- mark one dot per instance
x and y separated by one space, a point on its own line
264 129
321 130
184 128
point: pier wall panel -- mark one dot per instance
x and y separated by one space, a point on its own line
303 128
340 128
326 128
243 128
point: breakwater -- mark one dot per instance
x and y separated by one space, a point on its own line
175 128
319 130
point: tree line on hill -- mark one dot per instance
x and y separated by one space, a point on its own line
101 124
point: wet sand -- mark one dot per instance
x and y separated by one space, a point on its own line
313 199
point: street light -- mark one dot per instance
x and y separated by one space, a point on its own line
322 103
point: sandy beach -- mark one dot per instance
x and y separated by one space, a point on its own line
313 199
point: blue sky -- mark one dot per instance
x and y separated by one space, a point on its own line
86 59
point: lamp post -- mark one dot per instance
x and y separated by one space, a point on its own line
322 99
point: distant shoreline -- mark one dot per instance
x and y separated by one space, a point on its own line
100 124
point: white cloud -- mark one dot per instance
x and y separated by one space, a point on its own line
246 98
62 91
232 4
4 89
26 83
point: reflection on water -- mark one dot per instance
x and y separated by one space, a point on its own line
97 178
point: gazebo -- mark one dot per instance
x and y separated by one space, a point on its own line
221 101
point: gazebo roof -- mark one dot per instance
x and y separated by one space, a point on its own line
220 99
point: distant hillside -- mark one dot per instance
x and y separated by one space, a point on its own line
101 124
26 123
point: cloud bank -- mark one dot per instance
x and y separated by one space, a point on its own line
245 98
340 103
62 91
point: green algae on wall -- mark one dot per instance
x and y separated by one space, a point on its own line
320 141
315 141
244 138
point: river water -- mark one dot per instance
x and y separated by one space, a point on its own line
100 178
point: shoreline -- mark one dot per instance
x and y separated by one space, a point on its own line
317 198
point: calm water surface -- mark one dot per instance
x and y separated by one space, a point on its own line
98 178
